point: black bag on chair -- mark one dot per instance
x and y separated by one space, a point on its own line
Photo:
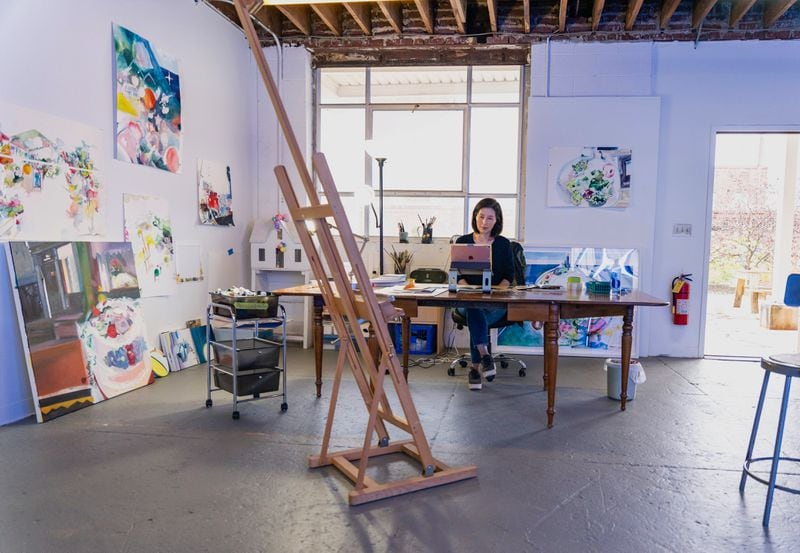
429 276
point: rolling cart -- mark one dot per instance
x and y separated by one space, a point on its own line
251 366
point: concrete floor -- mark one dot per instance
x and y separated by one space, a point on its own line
155 470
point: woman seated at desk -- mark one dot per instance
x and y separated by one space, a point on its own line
487 224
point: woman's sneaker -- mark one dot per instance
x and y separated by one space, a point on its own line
475 380
488 368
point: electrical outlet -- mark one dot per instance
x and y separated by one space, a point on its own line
681 229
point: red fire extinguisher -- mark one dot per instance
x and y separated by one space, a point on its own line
680 299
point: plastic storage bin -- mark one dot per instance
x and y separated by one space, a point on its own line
250 382
614 378
421 340
246 307
252 354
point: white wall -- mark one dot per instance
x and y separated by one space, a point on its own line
58 59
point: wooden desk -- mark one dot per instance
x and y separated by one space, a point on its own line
541 305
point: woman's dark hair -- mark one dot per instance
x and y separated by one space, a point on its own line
498 213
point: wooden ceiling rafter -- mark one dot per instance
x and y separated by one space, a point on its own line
526 12
774 10
330 14
738 9
700 11
393 12
491 5
425 9
362 14
300 17
668 8
460 14
597 12
634 7
562 16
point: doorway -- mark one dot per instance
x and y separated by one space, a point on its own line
754 245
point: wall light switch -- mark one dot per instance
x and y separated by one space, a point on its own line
682 229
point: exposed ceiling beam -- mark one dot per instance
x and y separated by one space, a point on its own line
329 14
668 8
393 12
633 12
460 14
491 5
738 9
562 16
773 10
361 13
300 16
700 11
268 16
526 10
425 9
597 11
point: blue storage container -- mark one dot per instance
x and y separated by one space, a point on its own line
421 340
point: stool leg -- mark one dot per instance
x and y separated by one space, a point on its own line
753 433
776 458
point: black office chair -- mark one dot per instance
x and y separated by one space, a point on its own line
460 320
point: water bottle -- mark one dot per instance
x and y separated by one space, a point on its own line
615 284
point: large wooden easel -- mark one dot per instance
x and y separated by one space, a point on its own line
347 308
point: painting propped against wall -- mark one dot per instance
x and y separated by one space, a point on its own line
85 332
148 103
214 193
589 177
49 173
149 230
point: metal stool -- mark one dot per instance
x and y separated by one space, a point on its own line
787 364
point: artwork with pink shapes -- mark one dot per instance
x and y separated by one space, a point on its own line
149 230
593 177
214 193
48 172
148 103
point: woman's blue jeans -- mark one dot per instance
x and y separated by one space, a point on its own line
478 322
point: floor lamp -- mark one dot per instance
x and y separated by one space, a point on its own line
373 148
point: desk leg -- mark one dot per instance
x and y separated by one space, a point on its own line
405 327
627 341
551 360
318 342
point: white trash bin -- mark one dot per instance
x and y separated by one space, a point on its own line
614 378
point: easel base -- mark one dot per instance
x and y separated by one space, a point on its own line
372 491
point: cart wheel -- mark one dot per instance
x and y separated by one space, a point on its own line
463 363
522 372
490 378
451 371
235 415
284 406
256 396
504 364
209 403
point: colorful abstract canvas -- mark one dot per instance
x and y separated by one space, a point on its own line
148 103
149 230
85 332
589 177
214 193
592 336
49 173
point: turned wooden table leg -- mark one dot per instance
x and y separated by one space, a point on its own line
318 343
627 341
551 360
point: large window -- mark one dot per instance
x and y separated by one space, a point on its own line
450 136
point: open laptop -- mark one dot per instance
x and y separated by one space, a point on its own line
471 257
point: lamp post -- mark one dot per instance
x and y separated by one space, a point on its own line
379 223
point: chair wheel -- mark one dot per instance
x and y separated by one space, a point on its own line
451 371
490 378
209 403
256 396
235 415
504 364
522 373
284 406
463 364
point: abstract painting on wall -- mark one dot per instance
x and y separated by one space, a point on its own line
149 230
589 177
214 193
49 173
591 336
148 103
85 332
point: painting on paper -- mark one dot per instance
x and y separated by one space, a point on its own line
593 336
85 331
148 103
593 177
48 172
214 193
148 229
